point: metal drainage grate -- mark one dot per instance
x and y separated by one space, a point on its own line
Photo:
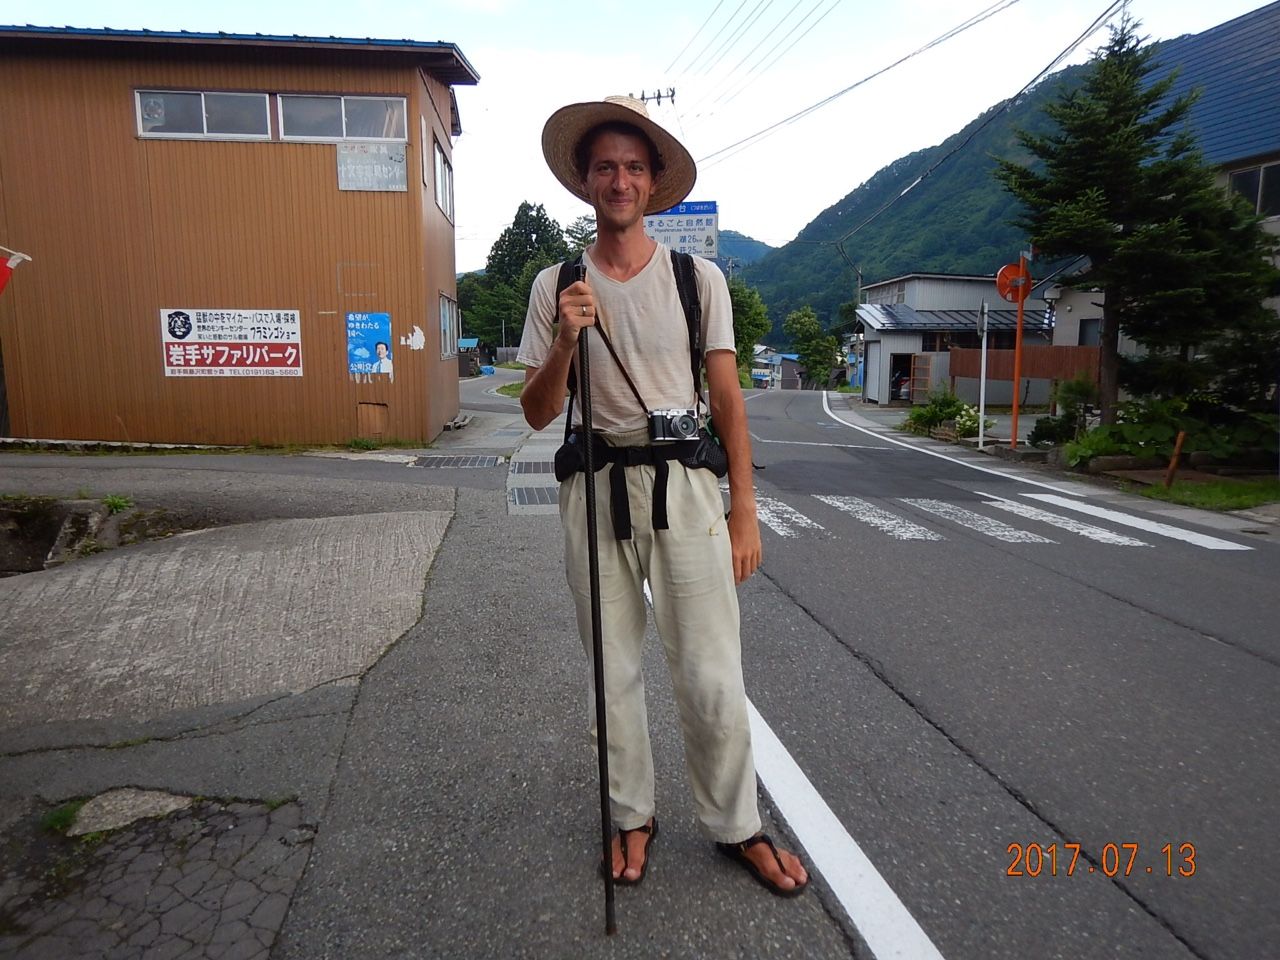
533 466
526 496
457 463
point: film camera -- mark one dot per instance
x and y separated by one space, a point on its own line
673 425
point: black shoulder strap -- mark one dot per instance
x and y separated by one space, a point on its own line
687 288
563 281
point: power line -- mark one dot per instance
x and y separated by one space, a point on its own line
733 16
748 81
1102 18
723 50
695 36
763 39
954 31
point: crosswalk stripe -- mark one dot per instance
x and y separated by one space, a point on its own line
1066 523
976 521
782 519
895 526
1140 523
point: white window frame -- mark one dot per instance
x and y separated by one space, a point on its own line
343 97
450 326
1263 169
204 116
443 180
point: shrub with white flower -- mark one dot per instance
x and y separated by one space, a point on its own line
967 421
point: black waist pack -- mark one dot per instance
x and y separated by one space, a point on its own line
708 454
704 454
570 457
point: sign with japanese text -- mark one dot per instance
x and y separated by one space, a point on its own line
377 167
231 343
691 227
369 344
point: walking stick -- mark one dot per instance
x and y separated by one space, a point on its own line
597 651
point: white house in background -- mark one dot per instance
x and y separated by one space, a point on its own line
909 324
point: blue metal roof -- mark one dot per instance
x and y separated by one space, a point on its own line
902 318
1236 65
446 59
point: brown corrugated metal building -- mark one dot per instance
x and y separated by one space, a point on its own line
223 230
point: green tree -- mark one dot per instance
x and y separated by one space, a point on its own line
750 319
580 234
490 309
532 234
816 348
1119 181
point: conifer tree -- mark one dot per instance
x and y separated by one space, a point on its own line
532 234
1120 182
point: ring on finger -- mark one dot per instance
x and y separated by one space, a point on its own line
584 309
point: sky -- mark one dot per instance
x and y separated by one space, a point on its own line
737 67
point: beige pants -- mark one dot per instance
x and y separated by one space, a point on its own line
690 572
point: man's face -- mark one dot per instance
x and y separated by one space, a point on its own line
619 179
382 351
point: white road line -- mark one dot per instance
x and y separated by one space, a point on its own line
782 519
934 453
1066 523
895 526
1150 526
814 443
976 521
880 916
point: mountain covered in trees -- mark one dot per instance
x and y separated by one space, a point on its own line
741 249
956 220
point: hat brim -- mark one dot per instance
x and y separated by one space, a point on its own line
566 127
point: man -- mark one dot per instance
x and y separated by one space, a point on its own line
613 156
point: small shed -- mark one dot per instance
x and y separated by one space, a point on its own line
908 350
468 356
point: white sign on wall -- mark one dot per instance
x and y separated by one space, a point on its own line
231 343
376 167
690 227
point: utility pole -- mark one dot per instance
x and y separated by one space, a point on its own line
657 96
730 261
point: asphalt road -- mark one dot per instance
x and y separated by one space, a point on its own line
952 697
967 700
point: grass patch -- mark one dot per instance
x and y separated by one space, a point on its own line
116 503
60 819
511 389
275 803
1225 494
511 365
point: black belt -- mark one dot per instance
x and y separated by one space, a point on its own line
657 457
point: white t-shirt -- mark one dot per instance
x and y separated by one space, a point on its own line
645 322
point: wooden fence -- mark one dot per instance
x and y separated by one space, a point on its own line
1038 363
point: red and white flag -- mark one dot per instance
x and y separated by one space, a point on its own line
6 272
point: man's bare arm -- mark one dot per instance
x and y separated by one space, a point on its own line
544 387
729 414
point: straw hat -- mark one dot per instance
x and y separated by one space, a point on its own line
568 125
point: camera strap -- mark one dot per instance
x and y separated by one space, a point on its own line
687 289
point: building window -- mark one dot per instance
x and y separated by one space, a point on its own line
1260 186
342 118
444 182
448 327
233 116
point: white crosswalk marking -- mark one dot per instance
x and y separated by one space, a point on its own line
976 521
1066 523
1140 523
782 519
895 526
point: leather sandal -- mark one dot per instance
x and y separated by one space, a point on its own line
737 852
650 830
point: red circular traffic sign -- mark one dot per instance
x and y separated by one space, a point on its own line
1013 283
